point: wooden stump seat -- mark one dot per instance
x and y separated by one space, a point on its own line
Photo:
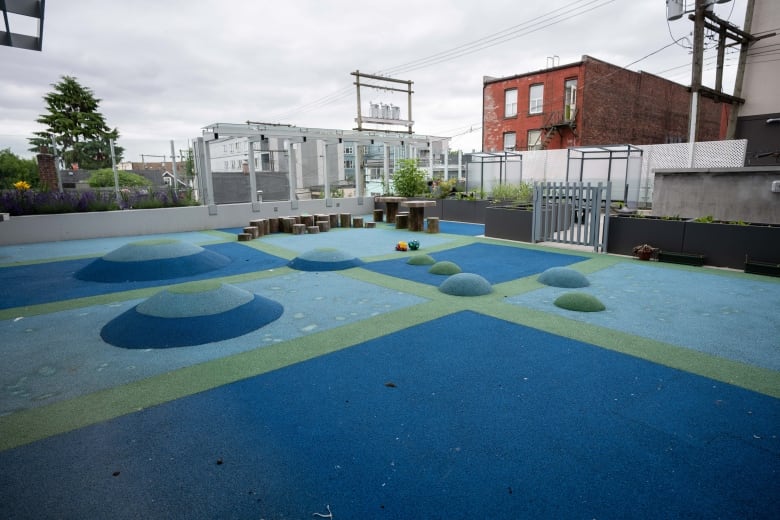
433 224
298 229
402 220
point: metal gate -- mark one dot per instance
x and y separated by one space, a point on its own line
572 213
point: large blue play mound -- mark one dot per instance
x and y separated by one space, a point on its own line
324 259
152 260
191 314
563 277
466 284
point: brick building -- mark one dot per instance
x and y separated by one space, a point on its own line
590 102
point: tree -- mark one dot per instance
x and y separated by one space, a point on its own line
79 129
104 178
14 169
409 180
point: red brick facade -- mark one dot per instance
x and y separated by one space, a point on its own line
47 171
613 106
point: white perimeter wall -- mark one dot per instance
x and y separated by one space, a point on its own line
74 226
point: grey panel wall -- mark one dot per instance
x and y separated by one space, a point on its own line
728 194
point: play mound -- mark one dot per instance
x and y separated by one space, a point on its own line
192 314
152 260
421 260
324 259
563 277
445 267
580 302
466 284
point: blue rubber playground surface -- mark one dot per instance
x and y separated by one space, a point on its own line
253 389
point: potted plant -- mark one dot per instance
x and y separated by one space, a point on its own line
644 251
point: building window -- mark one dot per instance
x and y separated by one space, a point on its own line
570 100
510 102
226 165
536 97
534 139
510 141
349 150
349 164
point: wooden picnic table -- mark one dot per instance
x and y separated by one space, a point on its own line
417 213
391 205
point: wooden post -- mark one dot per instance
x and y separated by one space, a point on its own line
401 220
299 229
273 225
433 224
252 230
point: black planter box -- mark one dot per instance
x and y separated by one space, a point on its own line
720 244
681 258
727 245
457 210
510 223
765 268
627 232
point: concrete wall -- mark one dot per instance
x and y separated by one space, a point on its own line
728 194
74 226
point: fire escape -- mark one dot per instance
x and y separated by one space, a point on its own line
557 122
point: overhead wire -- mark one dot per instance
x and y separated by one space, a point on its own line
491 40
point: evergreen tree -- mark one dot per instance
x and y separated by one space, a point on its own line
79 129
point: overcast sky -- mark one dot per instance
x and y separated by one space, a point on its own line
165 69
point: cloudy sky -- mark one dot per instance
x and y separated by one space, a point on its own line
165 69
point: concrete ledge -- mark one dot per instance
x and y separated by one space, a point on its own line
32 229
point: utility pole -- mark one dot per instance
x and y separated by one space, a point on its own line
696 73
731 129
703 18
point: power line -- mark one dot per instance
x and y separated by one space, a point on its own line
500 37
491 40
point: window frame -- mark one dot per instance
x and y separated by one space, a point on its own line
513 147
538 145
507 105
536 103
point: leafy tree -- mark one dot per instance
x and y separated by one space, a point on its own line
409 180
104 178
14 169
79 129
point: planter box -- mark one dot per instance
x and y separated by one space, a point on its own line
627 232
510 223
765 268
722 245
681 258
471 211
727 245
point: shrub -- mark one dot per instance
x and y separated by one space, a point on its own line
521 193
104 178
30 202
409 180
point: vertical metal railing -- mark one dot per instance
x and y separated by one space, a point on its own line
571 213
